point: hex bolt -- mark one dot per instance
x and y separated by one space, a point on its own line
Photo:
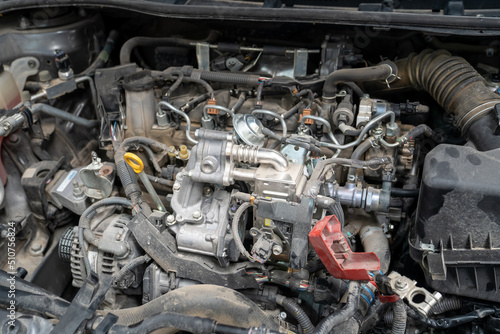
197 214
282 315
170 220
36 247
176 187
277 250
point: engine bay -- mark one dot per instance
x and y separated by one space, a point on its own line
246 177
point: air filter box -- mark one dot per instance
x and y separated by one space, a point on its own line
456 235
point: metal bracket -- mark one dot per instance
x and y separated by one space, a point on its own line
300 57
203 56
418 298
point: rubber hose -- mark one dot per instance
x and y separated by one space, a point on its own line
297 312
374 240
239 103
159 180
483 133
452 82
134 42
103 56
293 110
235 229
151 156
448 303
420 130
355 88
401 192
215 302
349 309
64 115
170 322
399 318
372 73
177 83
358 153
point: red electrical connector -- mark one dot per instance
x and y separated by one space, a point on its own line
334 251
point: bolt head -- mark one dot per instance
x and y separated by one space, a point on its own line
177 186
277 250
36 247
197 214
170 220
400 284
282 315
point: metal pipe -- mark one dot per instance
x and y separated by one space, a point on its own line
365 130
274 114
322 121
256 155
241 174
208 106
183 114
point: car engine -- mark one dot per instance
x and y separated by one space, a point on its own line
246 177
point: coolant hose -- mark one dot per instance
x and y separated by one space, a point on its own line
297 312
399 317
381 72
374 240
209 301
328 324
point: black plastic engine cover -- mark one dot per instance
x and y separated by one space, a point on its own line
456 235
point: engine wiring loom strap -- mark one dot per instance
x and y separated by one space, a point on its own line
332 248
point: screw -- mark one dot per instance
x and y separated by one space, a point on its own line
36 247
31 63
170 220
177 186
277 250
282 315
197 214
